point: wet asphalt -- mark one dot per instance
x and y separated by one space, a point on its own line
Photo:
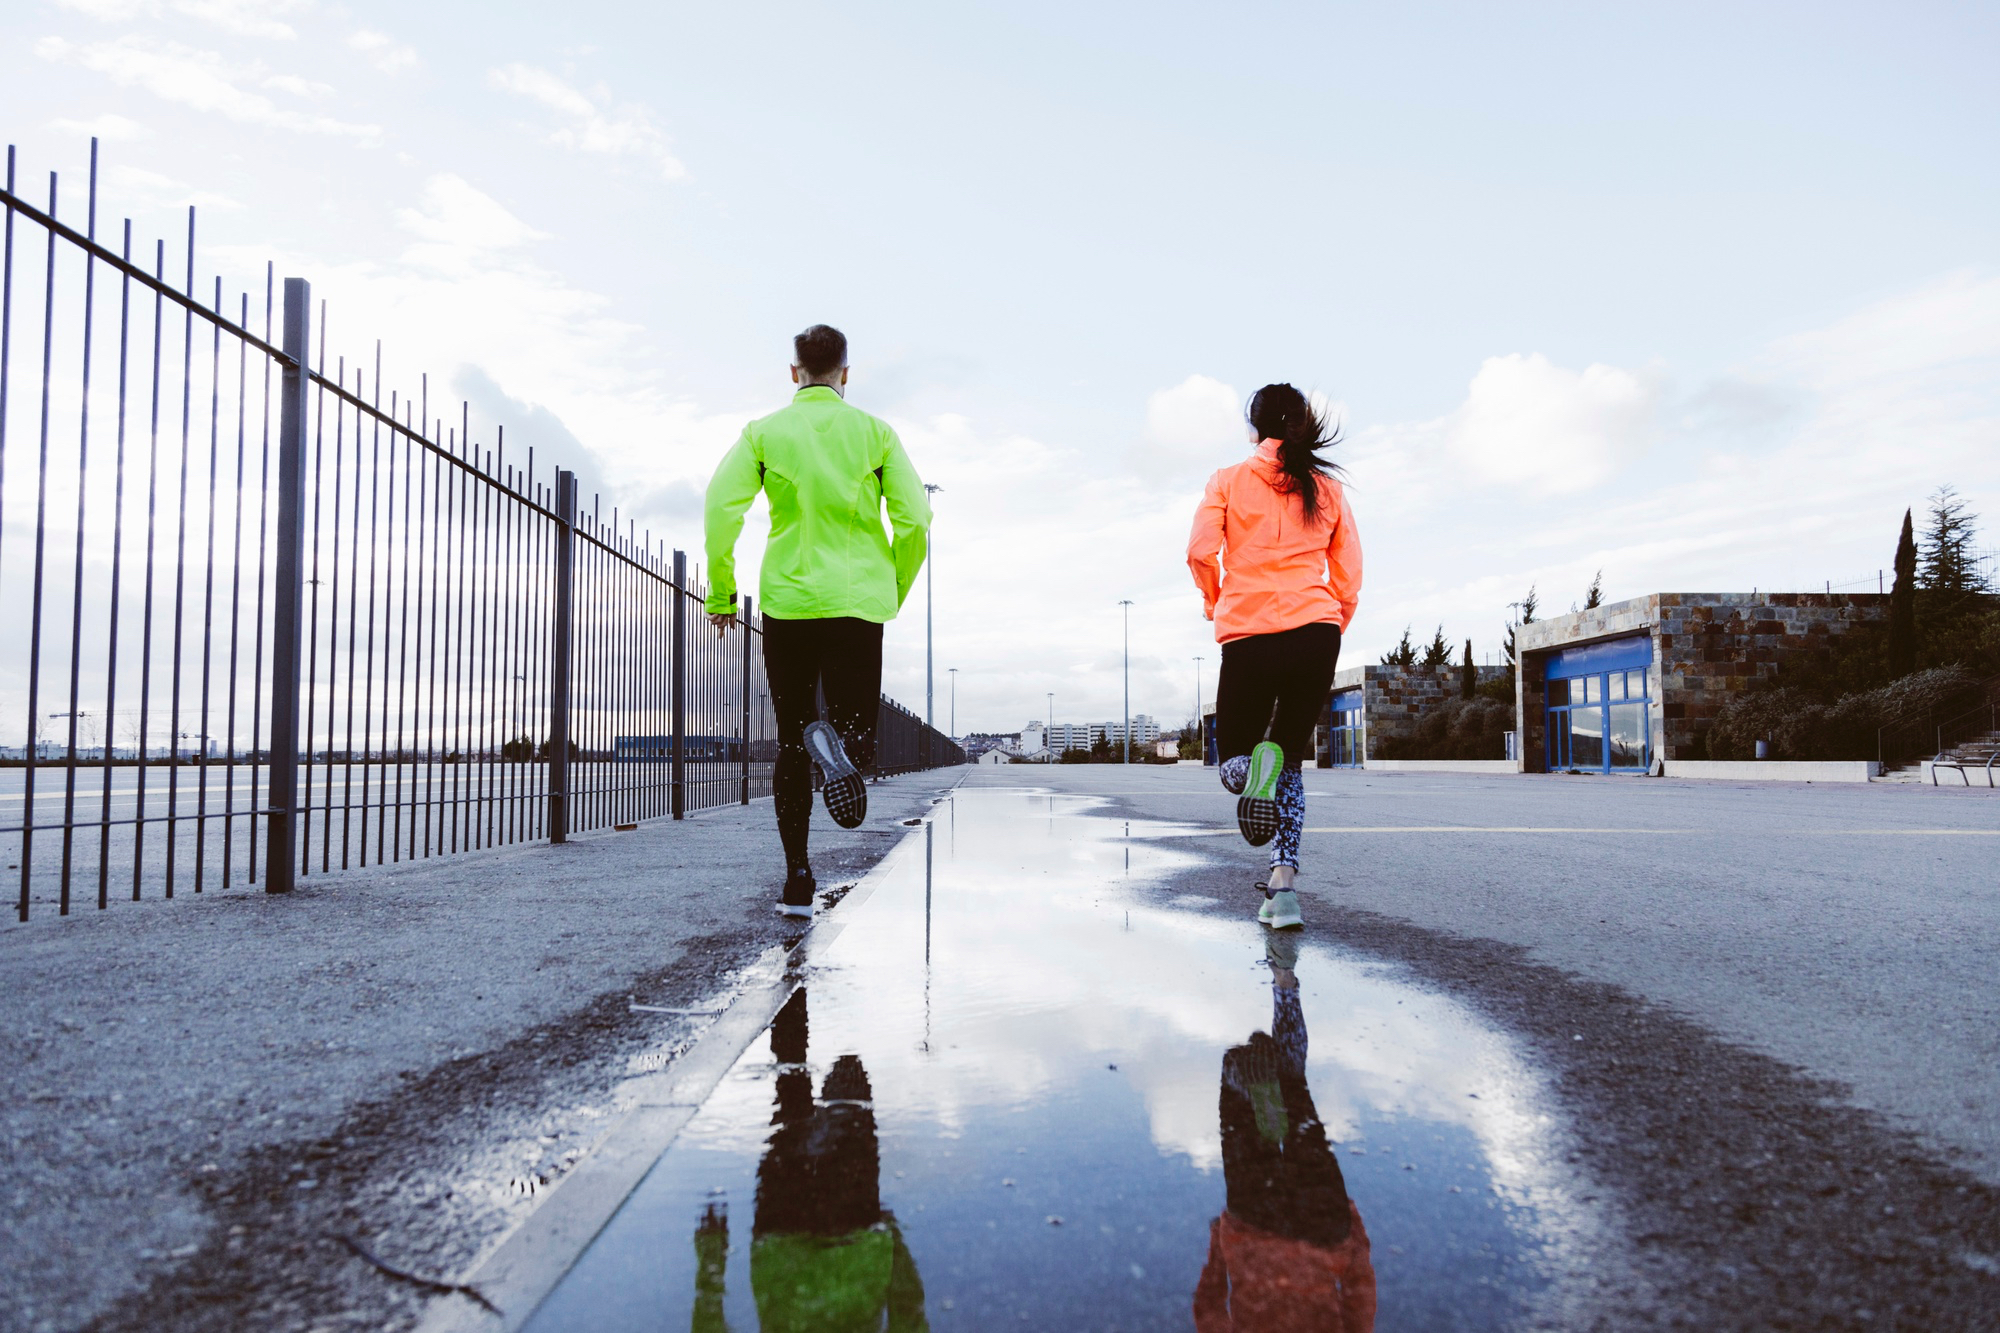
204 1096
1769 1033
1750 1028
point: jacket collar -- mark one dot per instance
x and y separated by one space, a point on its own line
816 393
1266 452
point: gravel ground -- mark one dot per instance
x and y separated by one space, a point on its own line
207 1095
1702 1003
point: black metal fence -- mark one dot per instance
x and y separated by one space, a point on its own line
268 619
1964 716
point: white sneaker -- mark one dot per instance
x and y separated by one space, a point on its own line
1281 910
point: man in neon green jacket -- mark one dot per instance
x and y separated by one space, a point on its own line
831 577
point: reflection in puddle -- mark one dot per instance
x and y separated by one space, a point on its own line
1017 1089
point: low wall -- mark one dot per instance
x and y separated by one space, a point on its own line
1974 776
1442 766
1774 770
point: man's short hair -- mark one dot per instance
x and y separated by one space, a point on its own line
821 350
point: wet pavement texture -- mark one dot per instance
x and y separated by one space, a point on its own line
1023 1087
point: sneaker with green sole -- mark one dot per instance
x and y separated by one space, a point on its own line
1280 910
1257 808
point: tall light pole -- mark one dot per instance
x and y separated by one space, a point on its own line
953 673
1128 679
1198 728
1049 735
930 563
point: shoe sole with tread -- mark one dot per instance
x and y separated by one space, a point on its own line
845 793
1257 809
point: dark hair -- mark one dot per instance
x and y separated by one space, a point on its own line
821 350
1282 413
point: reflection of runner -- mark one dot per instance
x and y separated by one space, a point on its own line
831 577
824 1253
1278 562
1289 1253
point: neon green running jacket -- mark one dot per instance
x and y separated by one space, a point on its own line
827 467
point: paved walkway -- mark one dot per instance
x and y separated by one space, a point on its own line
204 1094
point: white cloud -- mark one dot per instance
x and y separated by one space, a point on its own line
454 214
244 18
1198 414
296 86
382 51
142 191
594 127
1534 423
110 127
194 78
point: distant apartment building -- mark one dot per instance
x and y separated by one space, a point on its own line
1145 730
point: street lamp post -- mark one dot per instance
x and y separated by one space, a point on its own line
1049 735
930 563
953 673
1128 679
1200 731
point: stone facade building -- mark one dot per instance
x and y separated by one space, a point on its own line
1371 704
1620 687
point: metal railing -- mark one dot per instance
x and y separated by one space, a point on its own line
1932 733
269 620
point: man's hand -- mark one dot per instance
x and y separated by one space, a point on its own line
723 623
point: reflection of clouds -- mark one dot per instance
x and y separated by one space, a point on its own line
1039 982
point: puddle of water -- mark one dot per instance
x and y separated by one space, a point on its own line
1015 1090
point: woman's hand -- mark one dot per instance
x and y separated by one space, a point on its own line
723 623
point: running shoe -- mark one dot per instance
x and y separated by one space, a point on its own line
1257 808
846 794
1281 910
800 888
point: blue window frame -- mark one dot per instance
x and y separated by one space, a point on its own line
1344 734
1599 707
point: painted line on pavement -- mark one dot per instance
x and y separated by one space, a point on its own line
1677 832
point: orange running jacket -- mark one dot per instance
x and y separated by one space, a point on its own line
1260 567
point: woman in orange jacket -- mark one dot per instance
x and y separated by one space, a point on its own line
1278 562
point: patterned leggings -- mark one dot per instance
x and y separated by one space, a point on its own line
1291 805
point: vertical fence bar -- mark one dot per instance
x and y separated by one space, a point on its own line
749 616
35 616
559 656
677 600
76 584
288 597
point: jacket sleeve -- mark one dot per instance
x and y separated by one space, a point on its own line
735 484
909 515
1205 545
1343 563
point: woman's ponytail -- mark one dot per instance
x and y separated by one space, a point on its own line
1280 412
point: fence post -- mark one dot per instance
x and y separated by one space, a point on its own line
559 662
680 684
748 618
288 621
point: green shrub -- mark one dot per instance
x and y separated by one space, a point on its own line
1453 729
1801 726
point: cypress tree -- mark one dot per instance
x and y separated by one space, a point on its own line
1467 677
1903 605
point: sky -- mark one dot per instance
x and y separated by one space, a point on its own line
1701 296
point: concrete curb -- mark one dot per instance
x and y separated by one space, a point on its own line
525 1265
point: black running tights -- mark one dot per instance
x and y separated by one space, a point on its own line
1276 681
840 657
